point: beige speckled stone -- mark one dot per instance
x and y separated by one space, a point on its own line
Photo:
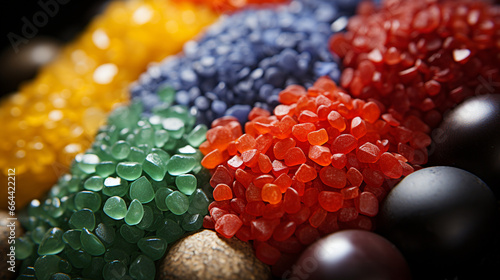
5 246
206 255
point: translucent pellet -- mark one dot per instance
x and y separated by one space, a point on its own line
72 238
106 168
52 242
136 155
114 270
145 136
147 218
177 203
142 190
174 126
115 208
38 233
106 233
94 183
24 247
153 247
188 150
87 162
120 150
115 186
131 234
88 199
161 137
170 230
135 213
54 207
155 165
46 265
142 268
84 218
160 198
192 222
180 164
79 258
116 254
91 244
186 183
129 170
199 203
197 135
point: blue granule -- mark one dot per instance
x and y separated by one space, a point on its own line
247 58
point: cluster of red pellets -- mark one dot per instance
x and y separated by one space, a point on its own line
421 57
322 162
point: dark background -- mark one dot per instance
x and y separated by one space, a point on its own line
63 26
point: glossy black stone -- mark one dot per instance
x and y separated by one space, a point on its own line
441 218
351 254
469 138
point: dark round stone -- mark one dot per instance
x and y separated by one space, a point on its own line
351 254
441 218
469 138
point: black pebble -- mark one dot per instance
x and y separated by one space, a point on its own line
469 138
443 219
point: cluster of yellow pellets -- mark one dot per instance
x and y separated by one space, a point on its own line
55 116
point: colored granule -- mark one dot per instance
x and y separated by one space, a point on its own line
55 116
246 59
222 6
138 188
421 57
322 162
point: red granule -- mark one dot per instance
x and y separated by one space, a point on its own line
222 192
228 224
420 58
297 176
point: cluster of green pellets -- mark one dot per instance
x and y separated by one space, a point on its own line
137 189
